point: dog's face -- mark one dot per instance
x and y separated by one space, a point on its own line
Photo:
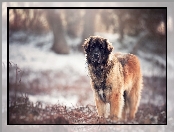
97 50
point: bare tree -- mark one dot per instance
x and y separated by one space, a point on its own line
89 24
54 19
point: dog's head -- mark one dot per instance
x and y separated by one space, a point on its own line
97 50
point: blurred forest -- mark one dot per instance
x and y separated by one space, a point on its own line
82 23
48 78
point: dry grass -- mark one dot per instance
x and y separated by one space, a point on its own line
23 111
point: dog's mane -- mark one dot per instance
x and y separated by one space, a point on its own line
102 69
100 73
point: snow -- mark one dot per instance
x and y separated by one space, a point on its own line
152 69
27 55
73 41
157 100
52 100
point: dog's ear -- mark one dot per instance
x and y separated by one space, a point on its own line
86 45
109 46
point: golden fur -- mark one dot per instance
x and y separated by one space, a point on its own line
115 79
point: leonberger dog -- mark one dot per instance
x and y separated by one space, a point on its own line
115 79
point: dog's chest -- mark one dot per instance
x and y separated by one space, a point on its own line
104 94
101 86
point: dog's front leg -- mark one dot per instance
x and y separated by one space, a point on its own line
116 105
101 107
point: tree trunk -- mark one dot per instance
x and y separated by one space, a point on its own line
89 25
59 45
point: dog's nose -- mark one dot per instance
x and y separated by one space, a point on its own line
96 55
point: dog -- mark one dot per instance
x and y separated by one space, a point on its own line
115 79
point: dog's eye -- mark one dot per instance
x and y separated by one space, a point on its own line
101 47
